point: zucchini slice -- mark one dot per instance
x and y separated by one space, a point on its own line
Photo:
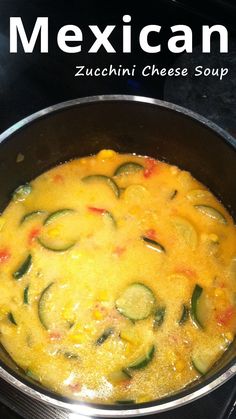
159 317
70 355
59 213
128 168
154 245
136 302
184 315
117 377
104 179
197 292
11 318
211 213
56 245
143 360
31 215
203 358
186 231
104 336
32 375
21 193
173 194
41 306
23 268
26 295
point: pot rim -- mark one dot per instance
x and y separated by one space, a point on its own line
102 410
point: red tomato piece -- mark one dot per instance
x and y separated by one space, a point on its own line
150 167
33 234
75 387
4 255
58 178
150 234
225 316
97 210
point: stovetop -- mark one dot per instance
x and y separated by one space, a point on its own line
29 82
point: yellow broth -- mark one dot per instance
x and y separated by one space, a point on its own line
116 291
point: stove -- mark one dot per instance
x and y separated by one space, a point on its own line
29 82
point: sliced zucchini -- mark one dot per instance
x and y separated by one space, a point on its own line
70 355
41 306
26 295
173 194
204 357
128 168
104 336
186 231
11 318
197 292
159 317
117 377
56 245
23 268
21 193
32 375
56 214
31 215
184 315
104 179
199 194
143 360
154 245
136 302
211 213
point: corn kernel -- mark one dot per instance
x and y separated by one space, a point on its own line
219 292
2 222
103 295
3 311
229 336
83 161
77 338
106 154
98 315
179 365
129 336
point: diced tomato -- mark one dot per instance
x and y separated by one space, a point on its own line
151 166
185 271
4 255
58 178
225 316
97 210
55 335
119 250
75 387
33 234
151 234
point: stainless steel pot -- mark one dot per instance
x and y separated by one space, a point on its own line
127 124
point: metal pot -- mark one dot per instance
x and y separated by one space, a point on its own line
127 124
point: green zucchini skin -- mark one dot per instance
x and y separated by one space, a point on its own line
105 179
197 367
26 295
70 355
138 292
31 215
22 192
154 245
31 375
184 315
104 336
11 318
56 214
194 300
128 168
24 268
173 194
159 317
143 361
211 213
41 303
55 249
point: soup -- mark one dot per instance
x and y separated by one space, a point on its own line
117 280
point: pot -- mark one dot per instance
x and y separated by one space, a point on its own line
127 124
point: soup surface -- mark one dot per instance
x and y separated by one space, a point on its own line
117 278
